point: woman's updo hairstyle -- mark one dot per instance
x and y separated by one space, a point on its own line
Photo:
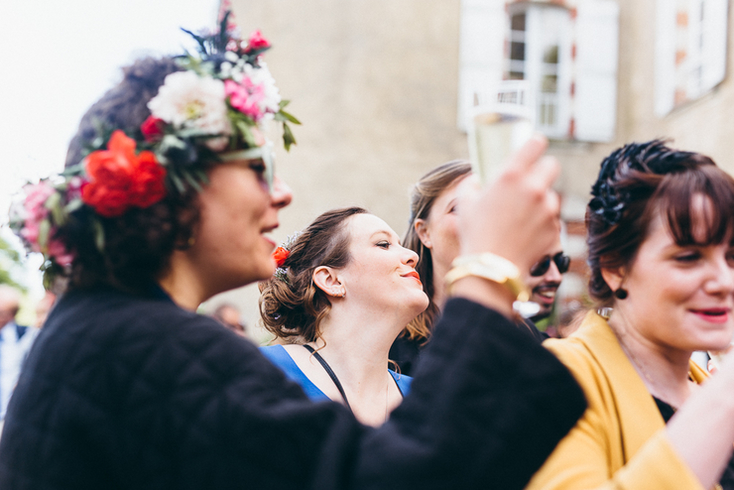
291 307
139 243
423 195
636 182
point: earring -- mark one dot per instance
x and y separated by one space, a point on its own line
191 241
620 293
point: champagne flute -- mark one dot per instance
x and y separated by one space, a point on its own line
502 122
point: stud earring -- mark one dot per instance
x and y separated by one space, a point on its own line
620 293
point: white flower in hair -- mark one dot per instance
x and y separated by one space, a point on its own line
187 100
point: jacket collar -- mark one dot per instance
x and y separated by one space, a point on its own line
638 414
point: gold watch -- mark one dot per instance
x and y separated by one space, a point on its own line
492 267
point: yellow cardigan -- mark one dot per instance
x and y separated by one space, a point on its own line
619 442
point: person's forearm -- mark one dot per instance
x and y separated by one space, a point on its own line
487 406
702 431
486 293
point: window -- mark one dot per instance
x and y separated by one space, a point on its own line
690 50
540 52
568 55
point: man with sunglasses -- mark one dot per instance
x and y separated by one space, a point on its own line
544 279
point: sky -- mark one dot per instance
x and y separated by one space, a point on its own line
58 57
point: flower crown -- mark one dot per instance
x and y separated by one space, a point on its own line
215 109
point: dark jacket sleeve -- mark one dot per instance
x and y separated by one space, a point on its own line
156 398
487 406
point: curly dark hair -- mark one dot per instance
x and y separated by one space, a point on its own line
137 245
636 182
291 307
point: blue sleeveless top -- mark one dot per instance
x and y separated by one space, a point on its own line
280 357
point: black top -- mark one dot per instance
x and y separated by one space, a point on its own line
727 479
122 392
406 352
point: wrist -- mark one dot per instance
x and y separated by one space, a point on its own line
489 267
488 279
487 293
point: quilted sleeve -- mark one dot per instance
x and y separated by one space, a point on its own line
488 404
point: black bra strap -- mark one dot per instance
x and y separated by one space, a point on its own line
396 383
330 372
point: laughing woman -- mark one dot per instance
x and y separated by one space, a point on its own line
661 251
345 291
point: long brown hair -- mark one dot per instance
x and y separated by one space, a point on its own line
424 194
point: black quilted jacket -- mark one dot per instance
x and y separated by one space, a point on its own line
127 393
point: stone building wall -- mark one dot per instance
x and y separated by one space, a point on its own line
375 84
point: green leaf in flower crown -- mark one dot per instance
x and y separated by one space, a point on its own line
288 138
44 228
180 187
284 116
199 39
73 206
52 201
222 37
283 103
189 133
202 176
246 134
192 180
53 204
98 236
77 169
51 270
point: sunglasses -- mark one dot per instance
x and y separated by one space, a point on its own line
541 267
265 153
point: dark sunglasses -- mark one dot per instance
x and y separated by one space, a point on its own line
541 267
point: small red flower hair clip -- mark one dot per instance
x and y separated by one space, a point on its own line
280 255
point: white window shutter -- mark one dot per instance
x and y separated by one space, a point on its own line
665 47
481 46
597 47
713 46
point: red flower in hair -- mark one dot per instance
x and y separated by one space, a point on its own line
280 255
257 41
119 179
152 128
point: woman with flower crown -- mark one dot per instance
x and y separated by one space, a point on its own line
661 252
166 200
343 290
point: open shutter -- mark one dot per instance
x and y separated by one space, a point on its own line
597 46
713 43
481 46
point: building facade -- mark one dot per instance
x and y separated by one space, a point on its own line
382 87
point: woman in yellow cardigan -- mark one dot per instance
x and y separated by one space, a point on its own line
661 252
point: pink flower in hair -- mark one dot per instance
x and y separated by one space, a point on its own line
60 254
246 97
257 41
35 211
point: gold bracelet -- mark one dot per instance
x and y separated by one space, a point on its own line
492 267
